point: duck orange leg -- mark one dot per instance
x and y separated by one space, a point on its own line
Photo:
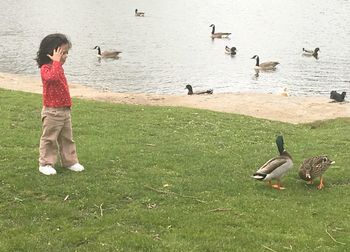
277 186
321 185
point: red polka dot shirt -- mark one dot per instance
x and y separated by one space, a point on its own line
55 87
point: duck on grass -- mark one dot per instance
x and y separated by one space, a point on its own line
314 167
276 167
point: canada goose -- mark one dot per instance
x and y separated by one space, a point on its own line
314 167
276 167
190 91
106 54
139 14
336 97
270 65
313 53
218 34
231 51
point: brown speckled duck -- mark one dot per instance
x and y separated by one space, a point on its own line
276 167
314 167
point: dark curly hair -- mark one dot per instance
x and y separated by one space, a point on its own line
48 44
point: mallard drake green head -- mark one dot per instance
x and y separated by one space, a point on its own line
190 91
218 34
231 51
139 14
313 53
314 167
107 54
276 167
269 65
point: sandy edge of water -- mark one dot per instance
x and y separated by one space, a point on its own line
268 106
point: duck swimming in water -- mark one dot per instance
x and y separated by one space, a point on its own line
313 53
231 51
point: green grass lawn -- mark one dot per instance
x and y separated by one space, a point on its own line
168 179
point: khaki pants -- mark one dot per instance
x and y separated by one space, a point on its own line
57 135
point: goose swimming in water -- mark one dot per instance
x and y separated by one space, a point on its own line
218 34
270 65
107 54
313 53
190 91
231 51
139 14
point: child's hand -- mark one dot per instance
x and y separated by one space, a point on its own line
57 54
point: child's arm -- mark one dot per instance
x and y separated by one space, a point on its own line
52 73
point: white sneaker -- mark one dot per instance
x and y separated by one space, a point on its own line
47 170
76 167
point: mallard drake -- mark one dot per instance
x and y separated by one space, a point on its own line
336 97
231 51
270 65
314 167
276 167
139 14
190 91
313 53
107 54
218 34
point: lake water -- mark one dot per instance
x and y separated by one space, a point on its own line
171 45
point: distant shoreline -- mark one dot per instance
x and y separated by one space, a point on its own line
267 106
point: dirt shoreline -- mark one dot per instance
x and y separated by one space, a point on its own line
275 107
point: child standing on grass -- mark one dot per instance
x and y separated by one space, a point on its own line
56 112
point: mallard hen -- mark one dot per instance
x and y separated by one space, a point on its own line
276 167
314 167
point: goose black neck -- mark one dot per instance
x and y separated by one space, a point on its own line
257 61
99 50
190 90
213 30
